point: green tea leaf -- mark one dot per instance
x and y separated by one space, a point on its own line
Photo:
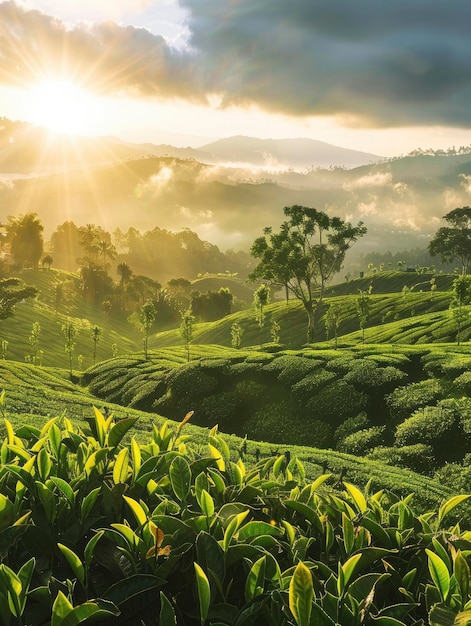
301 594
204 592
218 457
462 575
206 503
255 579
138 511
256 529
167 614
180 477
65 488
357 497
349 567
121 467
74 562
449 505
90 547
348 534
60 609
119 430
439 573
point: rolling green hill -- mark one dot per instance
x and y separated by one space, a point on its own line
35 394
357 400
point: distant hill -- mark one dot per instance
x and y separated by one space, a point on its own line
117 185
29 149
285 153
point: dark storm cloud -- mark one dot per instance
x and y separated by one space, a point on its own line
397 62
376 63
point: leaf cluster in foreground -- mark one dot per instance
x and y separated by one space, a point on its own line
166 532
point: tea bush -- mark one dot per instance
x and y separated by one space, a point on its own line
93 530
335 402
362 441
417 457
351 425
405 400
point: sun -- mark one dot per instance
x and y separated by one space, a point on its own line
62 106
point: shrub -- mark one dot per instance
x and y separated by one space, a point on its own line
221 409
417 457
456 475
278 422
463 383
291 368
405 400
351 425
438 426
362 441
310 385
366 374
189 381
336 402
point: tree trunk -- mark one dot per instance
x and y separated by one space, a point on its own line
310 323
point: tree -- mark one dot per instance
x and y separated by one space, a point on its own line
96 333
47 260
12 291
186 331
34 341
69 331
106 251
303 256
275 332
24 234
236 335
146 319
332 322
125 273
454 241
261 298
461 290
363 311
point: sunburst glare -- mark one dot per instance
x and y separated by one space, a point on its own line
63 106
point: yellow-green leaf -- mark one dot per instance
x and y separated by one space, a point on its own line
449 505
301 593
74 562
357 497
138 511
121 467
218 456
439 573
204 592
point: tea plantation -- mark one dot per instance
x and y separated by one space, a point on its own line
269 484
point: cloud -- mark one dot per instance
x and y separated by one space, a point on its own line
105 57
367 63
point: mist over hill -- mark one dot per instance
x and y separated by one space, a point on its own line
401 200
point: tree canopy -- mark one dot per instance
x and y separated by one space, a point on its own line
454 240
26 239
304 254
12 291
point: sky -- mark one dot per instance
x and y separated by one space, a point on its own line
382 77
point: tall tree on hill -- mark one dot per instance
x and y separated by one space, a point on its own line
461 298
125 273
454 241
146 320
261 298
307 251
25 235
106 251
